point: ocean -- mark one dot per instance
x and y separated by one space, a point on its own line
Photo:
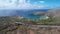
24 13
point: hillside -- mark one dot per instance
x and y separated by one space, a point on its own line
54 14
8 23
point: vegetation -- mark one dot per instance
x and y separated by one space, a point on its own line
6 24
43 21
48 28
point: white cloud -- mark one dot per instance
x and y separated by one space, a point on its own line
22 4
42 1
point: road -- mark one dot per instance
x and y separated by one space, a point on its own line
45 25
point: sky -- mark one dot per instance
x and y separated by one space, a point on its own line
29 4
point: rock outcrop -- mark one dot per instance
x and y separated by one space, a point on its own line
38 13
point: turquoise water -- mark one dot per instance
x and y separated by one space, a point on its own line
35 16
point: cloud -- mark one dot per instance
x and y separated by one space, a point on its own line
21 4
42 1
